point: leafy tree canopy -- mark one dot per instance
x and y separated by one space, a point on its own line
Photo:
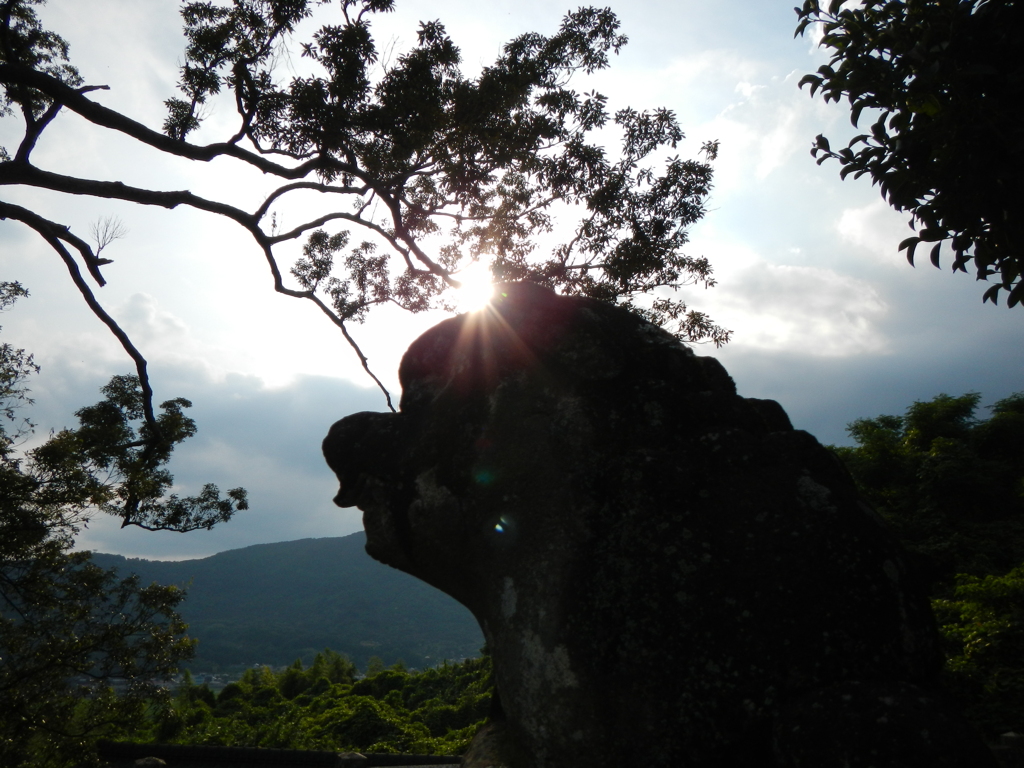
950 484
435 711
415 169
943 81
982 624
67 627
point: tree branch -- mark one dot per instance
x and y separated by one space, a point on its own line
12 172
312 185
24 173
33 129
108 118
53 233
363 360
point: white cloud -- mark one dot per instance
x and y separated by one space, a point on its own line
685 73
876 229
814 311
747 89
147 323
766 124
813 35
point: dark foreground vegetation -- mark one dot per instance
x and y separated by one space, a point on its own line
951 487
325 707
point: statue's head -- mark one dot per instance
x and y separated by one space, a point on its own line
506 420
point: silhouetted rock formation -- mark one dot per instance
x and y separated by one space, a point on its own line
666 573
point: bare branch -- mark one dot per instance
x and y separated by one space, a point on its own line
312 185
33 129
23 173
54 233
105 231
364 360
338 321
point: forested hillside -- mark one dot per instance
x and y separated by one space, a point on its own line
950 485
275 603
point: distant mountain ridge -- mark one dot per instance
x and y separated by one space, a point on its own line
274 603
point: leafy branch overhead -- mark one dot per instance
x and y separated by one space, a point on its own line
432 168
943 81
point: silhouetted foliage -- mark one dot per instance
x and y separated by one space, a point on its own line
951 486
69 629
943 81
435 168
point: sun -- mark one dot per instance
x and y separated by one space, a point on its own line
477 287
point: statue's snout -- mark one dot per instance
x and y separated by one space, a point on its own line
362 448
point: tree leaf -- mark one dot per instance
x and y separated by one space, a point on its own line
992 294
1016 295
910 245
855 112
948 119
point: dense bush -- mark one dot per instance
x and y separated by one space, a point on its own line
436 711
951 487
983 628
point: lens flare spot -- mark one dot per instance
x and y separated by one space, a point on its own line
505 531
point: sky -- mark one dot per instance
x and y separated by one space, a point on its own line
827 318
